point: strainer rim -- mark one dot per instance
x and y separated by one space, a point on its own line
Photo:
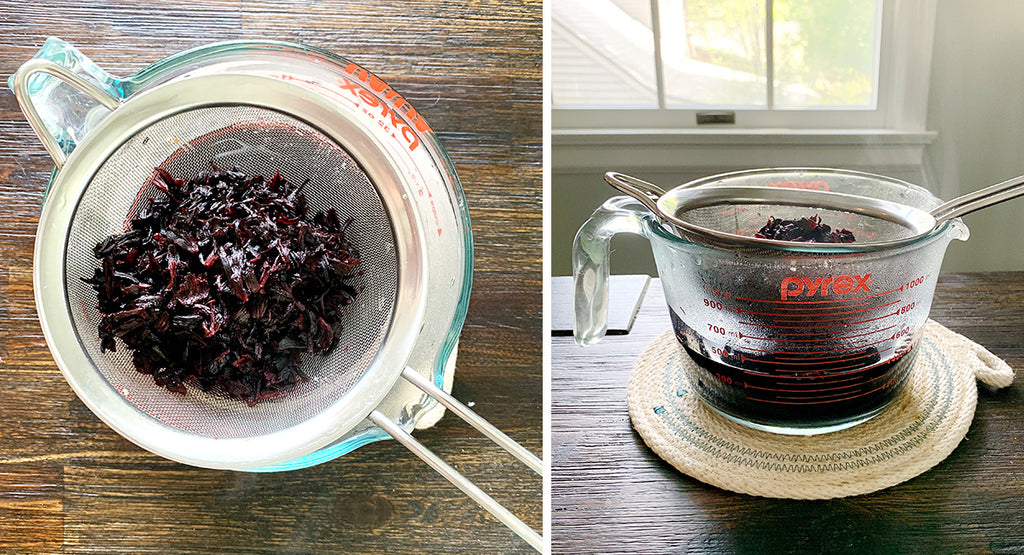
720 239
141 111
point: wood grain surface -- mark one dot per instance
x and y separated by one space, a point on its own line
70 484
611 494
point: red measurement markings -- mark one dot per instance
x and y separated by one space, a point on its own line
822 398
827 359
826 307
716 292
799 354
798 374
855 379
809 402
858 384
820 325
794 303
803 319
815 366
817 323
837 338
810 374
812 361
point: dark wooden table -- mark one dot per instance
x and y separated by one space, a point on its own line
610 493
69 483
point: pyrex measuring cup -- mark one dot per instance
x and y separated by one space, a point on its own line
275 85
784 340
266 108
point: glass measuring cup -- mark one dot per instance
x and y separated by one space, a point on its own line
383 126
784 339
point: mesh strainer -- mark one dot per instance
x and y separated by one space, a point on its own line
260 123
728 209
258 141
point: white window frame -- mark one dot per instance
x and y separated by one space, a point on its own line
907 30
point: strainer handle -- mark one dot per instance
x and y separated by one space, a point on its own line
644 191
982 198
590 266
20 82
458 480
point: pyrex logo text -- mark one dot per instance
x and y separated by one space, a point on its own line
813 185
387 114
843 285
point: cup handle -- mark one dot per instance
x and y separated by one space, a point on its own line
50 88
590 252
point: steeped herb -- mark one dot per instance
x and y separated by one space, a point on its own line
224 282
808 230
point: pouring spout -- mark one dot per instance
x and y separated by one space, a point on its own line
958 230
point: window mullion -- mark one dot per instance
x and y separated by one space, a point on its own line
659 76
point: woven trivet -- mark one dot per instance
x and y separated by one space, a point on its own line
921 428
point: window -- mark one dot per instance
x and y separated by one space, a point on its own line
803 64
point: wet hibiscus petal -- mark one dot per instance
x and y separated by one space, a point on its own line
223 282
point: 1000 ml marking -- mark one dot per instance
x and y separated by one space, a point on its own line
713 291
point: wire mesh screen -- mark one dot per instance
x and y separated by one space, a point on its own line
256 141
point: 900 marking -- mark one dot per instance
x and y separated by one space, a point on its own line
717 305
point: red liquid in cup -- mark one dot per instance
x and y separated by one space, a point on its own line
794 394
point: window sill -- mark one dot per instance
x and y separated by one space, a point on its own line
575 150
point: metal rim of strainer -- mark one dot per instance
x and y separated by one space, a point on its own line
679 199
138 113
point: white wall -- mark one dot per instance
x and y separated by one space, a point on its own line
976 103
976 108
